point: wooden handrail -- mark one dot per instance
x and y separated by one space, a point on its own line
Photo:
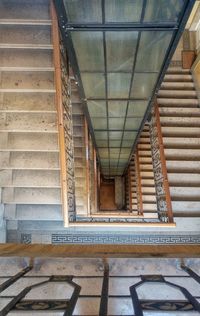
95 179
139 183
130 188
163 165
87 165
59 108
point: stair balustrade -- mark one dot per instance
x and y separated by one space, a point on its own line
164 205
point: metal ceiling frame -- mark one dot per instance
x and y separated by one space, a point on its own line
66 28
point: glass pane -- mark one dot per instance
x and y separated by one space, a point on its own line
118 85
152 50
121 50
130 135
100 135
97 108
114 152
117 108
99 123
113 162
137 108
127 143
121 164
143 85
102 143
115 135
116 123
133 123
103 152
114 143
163 11
89 50
94 85
123 10
125 153
80 11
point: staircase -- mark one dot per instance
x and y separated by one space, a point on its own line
180 121
79 152
141 177
29 157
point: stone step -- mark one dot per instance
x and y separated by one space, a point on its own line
181 142
185 193
31 196
148 190
29 160
149 207
41 122
146 174
186 94
25 22
178 77
29 142
177 86
177 131
30 178
25 34
185 179
180 121
26 46
186 207
148 198
22 58
27 101
177 70
182 154
179 112
26 212
27 80
25 9
148 182
77 109
176 102
183 166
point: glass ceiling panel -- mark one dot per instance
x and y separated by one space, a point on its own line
99 123
97 108
118 61
163 11
118 85
137 108
89 50
123 10
121 47
116 123
152 49
94 85
143 85
117 108
83 11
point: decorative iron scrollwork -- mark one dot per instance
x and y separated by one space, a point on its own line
68 128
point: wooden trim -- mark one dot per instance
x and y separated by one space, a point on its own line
87 165
100 251
163 165
95 180
139 183
98 187
129 189
59 108
121 225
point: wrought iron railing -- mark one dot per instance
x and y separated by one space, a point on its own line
65 128
164 205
